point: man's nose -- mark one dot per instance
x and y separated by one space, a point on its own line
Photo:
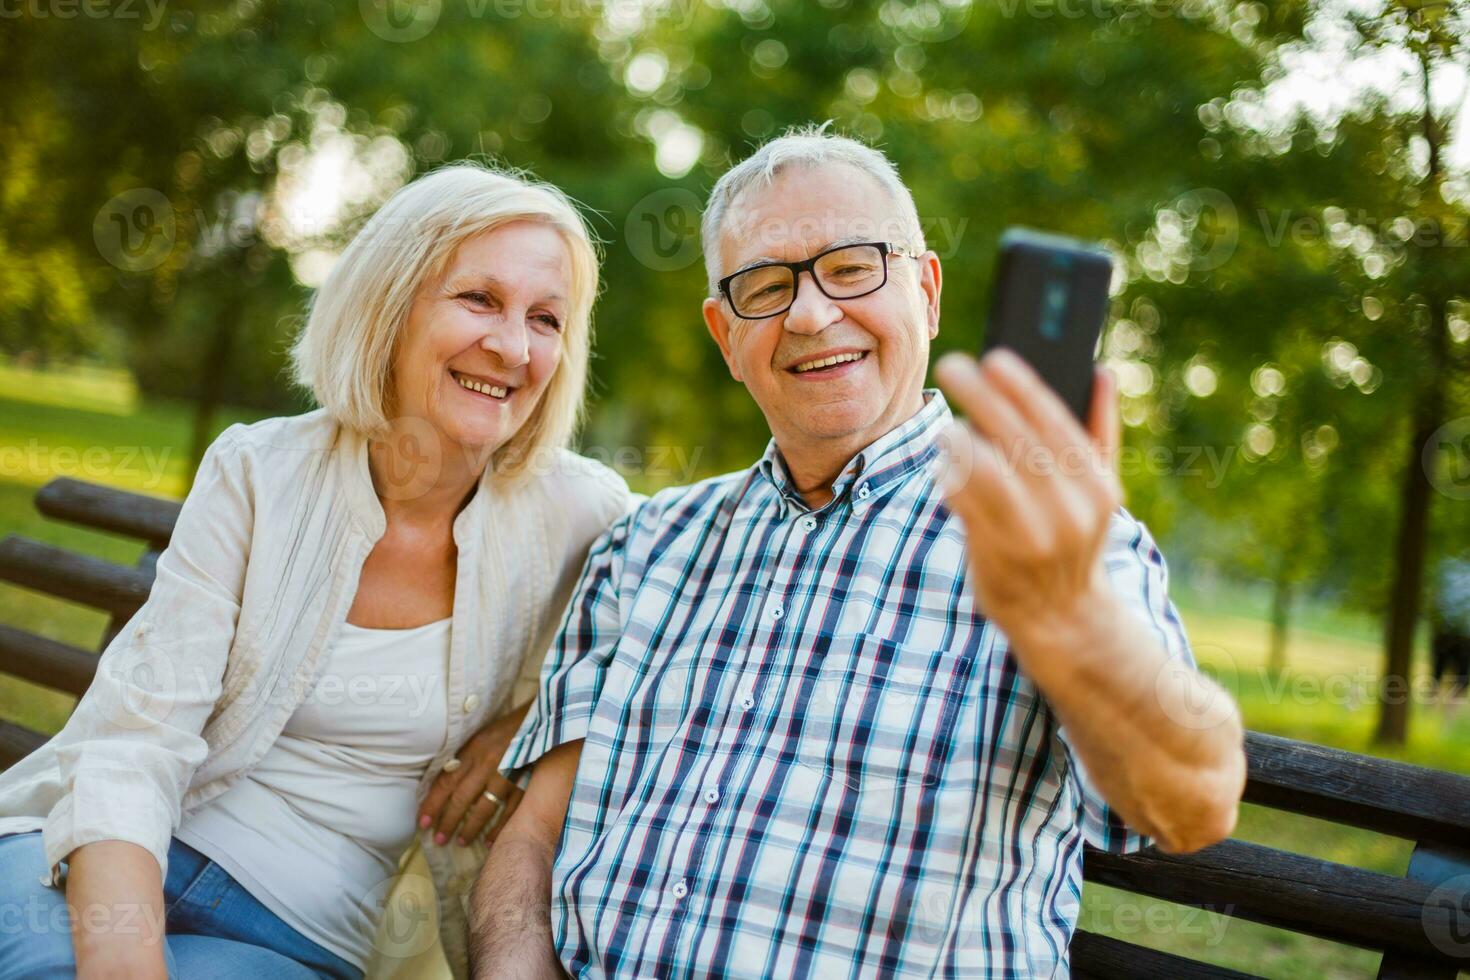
811 311
508 339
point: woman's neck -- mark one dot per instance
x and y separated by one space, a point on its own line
421 477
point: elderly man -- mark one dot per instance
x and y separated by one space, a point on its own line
854 711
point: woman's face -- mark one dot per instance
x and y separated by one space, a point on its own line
483 341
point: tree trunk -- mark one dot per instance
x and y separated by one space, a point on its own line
211 378
1412 541
1280 615
1408 579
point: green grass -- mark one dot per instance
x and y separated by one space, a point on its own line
92 424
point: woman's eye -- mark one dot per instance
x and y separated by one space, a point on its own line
476 297
549 320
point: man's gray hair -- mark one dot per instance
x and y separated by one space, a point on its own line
808 146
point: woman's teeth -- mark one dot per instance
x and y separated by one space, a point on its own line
806 366
494 391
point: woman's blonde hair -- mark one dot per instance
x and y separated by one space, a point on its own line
345 353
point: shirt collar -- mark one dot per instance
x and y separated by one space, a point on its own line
887 460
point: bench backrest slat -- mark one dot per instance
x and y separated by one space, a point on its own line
132 515
45 661
1382 795
116 589
1279 888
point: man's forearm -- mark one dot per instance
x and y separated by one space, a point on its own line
1162 742
510 906
510 913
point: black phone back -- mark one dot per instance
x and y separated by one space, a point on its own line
1049 306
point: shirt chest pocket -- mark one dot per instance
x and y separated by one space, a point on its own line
881 714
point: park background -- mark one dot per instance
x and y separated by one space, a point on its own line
1285 186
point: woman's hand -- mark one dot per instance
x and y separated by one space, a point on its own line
458 794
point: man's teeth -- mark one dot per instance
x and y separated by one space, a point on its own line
484 389
829 361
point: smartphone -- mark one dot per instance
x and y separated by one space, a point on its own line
1049 306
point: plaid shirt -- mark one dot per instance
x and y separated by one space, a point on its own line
806 752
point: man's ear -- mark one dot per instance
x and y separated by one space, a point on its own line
719 328
931 280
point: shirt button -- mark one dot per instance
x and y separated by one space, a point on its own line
808 523
777 612
863 491
471 703
747 702
680 888
711 795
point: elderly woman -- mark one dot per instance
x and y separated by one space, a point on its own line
349 596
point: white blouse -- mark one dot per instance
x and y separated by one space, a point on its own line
316 829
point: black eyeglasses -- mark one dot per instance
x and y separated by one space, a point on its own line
840 272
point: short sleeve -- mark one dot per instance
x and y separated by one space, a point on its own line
1140 577
573 672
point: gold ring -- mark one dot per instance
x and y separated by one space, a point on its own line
499 803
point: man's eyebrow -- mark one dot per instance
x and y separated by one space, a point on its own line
835 243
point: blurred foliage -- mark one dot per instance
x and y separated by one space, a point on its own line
1275 322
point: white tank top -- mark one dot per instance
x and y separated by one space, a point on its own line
316 829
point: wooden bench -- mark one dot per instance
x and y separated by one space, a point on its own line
1421 922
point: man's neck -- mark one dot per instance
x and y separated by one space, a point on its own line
815 465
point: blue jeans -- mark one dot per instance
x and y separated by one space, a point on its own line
214 927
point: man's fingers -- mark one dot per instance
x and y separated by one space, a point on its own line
988 411
1050 420
1104 421
980 486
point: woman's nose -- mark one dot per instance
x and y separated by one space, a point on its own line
511 343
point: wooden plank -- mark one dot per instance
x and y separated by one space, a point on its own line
1096 957
17 742
1361 791
45 661
1277 888
116 589
108 509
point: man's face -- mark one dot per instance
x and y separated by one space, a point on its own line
848 405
